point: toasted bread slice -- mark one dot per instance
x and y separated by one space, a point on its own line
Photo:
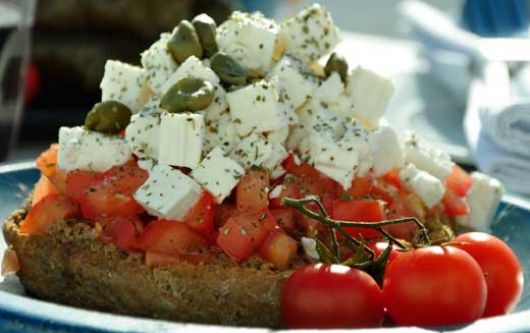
69 265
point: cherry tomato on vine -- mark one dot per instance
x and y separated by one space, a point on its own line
331 296
502 270
434 286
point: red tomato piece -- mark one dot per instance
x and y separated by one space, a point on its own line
79 182
120 231
331 296
284 218
49 210
289 190
200 216
252 192
434 286
47 164
112 195
243 234
359 188
173 238
459 181
359 211
278 249
43 188
501 268
454 205
222 213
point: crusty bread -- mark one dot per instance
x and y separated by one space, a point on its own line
69 265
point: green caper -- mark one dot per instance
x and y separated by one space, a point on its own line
338 64
205 27
108 117
184 42
188 94
228 70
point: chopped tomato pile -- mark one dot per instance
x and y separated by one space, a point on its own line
476 275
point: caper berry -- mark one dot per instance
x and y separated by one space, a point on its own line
188 94
338 64
205 27
228 69
108 117
184 42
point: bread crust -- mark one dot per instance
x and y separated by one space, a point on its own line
69 265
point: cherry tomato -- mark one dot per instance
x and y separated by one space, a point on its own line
502 270
434 286
331 296
380 247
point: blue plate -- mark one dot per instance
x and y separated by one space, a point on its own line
22 314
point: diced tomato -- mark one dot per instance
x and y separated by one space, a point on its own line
359 211
309 179
120 231
43 188
242 235
455 205
392 178
49 210
112 194
301 169
47 164
252 191
284 218
222 213
173 238
289 190
200 216
278 249
405 205
79 182
360 187
459 181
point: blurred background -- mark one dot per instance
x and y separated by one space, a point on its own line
458 66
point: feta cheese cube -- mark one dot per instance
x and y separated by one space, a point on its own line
370 94
427 157
256 150
429 188
483 199
124 83
250 39
358 136
168 193
218 174
220 130
81 149
386 149
295 86
331 95
310 34
181 139
147 164
278 136
192 67
310 248
256 108
158 63
143 132
276 191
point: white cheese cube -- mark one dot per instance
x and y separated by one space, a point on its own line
429 188
192 67
386 149
146 164
331 95
80 149
256 150
168 193
358 136
220 130
427 157
218 174
278 136
250 39
295 86
181 139
370 94
143 132
310 248
483 199
337 159
256 108
276 191
310 34
158 63
124 83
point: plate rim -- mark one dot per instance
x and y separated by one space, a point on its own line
22 314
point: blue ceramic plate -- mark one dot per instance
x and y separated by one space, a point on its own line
22 314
